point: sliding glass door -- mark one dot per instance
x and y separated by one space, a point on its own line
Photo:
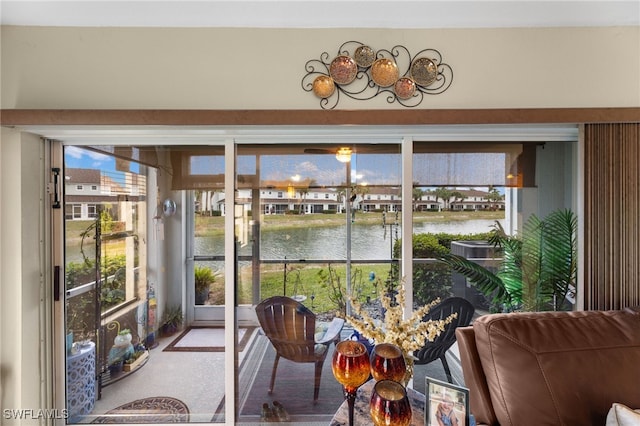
310 226
200 234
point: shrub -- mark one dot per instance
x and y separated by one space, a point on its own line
204 277
433 280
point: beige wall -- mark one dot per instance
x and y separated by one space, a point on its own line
162 68
23 361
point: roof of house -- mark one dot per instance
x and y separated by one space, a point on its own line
77 176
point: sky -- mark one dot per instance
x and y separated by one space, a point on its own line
77 157
459 170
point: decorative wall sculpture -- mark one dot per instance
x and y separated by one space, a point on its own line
360 72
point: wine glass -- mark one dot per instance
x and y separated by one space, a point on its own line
351 368
389 404
387 362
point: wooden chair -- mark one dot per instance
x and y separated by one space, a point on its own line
437 349
291 329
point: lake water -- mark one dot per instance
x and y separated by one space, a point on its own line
367 241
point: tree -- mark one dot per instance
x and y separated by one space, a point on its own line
340 194
417 196
304 191
458 196
493 196
444 194
303 194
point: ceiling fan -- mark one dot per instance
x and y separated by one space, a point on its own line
356 149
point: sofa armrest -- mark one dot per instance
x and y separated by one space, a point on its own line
474 378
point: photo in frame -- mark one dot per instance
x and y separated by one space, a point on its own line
446 404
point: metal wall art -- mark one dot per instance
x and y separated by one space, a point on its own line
360 72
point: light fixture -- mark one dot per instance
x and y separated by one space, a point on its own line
343 155
169 207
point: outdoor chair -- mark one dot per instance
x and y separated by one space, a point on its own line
437 349
292 330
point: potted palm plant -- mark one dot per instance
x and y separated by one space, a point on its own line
204 277
538 270
171 320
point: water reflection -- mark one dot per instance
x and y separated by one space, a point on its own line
368 241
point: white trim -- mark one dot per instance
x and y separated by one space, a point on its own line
230 321
56 351
407 218
207 135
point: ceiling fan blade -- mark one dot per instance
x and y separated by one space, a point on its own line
318 151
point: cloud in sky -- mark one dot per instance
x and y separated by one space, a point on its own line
84 158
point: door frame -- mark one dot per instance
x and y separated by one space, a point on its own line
234 315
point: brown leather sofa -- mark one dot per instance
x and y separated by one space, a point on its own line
551 368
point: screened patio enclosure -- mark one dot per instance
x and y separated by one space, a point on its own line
261 212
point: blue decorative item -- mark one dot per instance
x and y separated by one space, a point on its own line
368 343
69 341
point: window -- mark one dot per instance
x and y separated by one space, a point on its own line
503 183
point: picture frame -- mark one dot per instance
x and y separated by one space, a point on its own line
445 399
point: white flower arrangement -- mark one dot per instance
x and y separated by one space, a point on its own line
408 334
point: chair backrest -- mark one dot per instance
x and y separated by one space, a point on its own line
434 350
290 327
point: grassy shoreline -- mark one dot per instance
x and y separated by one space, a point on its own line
214 225
209 226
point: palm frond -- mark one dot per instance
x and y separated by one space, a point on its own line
532 264
510 270
484 280
498 236
559 255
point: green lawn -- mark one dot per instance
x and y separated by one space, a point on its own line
310 284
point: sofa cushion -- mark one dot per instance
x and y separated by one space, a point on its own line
560 368
621 415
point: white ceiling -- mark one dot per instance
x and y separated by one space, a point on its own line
321 13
